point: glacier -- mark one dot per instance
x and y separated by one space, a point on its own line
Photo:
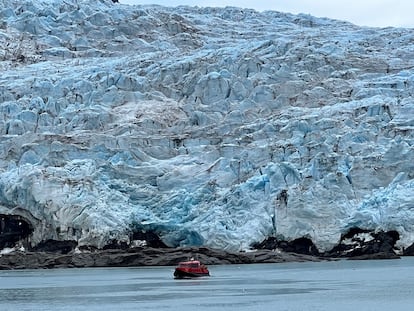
208 126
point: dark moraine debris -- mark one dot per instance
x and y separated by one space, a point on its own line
360 243
301 245
409 251
55 246
151 238
115 244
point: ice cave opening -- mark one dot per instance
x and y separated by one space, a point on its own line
14 229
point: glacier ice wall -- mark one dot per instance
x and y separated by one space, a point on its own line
114 117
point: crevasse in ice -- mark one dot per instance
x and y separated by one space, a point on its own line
210 126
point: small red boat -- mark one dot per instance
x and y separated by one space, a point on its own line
190 269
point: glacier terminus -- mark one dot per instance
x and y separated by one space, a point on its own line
217 127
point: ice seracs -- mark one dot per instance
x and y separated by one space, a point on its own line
118 118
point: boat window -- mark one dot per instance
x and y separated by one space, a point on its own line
189 265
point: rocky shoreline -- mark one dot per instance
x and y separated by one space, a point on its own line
148 256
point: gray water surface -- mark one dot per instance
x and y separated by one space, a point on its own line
339 285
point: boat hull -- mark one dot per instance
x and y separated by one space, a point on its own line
190 269
179 274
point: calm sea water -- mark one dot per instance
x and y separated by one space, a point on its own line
340 285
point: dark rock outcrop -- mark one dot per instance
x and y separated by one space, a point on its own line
151 238
114 244
365 244
55 246
409 251
301 245
357 243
